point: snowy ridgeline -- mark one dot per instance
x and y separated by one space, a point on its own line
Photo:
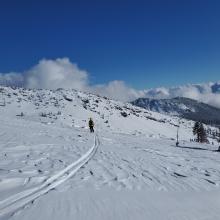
43 133
70 108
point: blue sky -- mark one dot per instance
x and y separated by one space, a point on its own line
144 43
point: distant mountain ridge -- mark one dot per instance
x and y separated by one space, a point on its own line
208 93
184 107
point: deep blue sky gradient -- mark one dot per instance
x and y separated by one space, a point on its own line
145 43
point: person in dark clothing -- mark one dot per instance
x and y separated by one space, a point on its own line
91 125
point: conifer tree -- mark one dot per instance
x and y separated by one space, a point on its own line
218 135
196 130
200 132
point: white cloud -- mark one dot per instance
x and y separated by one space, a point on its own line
53 74
49 74
11 79
62 73
117 90
208 92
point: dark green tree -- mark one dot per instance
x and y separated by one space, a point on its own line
200 132
196 130
218 134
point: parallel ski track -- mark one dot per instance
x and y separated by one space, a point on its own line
19 200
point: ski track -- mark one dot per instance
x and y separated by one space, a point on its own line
15 202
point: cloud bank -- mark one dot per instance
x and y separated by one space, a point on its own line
11 79
62 73
53 74
117 90
208 93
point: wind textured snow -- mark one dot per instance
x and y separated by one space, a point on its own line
51 167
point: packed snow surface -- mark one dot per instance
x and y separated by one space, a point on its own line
51 167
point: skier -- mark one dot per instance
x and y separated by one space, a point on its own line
91 125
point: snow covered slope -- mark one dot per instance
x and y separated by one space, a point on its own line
70 108
51 167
